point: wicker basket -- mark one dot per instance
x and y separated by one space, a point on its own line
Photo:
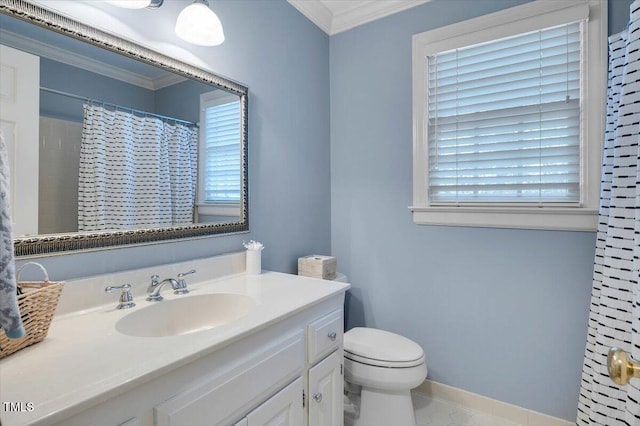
37 303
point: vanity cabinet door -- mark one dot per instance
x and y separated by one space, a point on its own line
235 390
325 392
282 409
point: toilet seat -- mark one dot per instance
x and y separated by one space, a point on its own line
382 363
381 348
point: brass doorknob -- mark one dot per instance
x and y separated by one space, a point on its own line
621 367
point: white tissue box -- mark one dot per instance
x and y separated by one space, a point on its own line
317 266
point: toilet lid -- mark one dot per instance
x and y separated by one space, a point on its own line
379 346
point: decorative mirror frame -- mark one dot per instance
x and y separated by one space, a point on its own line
61 243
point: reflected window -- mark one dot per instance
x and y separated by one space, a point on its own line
219 177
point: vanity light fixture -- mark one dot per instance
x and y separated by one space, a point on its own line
135 4
198 24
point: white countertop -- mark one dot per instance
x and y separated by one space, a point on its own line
84 360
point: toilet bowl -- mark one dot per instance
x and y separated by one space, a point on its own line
380 370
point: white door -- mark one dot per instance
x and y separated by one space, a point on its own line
325 392
282 409
19 121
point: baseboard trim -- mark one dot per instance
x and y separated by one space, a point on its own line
473 401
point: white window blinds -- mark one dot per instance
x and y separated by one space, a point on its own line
504 120
222 152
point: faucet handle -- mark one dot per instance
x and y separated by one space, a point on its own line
155 281
182 283
126 300
182 274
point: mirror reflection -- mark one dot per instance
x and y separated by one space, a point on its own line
106 143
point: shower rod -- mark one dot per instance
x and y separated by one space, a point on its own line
116 106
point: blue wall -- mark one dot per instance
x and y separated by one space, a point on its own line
287 70
181 100
502 313
618 15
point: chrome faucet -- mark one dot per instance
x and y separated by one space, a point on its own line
179 286
157 285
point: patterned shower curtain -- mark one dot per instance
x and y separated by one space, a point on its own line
135 172
614 318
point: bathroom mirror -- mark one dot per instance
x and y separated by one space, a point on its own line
132 146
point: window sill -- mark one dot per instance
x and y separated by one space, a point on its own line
549 218
219 209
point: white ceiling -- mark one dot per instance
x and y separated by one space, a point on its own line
334 16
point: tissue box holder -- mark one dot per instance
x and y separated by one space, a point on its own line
38 304
317 266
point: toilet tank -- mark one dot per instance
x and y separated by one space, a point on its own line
340 277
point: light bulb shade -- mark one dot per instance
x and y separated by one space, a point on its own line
130 4
199 25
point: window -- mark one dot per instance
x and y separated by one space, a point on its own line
508 114
219 169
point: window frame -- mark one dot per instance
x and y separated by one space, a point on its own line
517 20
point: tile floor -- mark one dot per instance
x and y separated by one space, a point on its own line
436 412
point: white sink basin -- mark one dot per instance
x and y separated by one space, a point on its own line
188 314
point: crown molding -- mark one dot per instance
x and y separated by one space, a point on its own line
316 12
362 12
68 57
167 80
370 11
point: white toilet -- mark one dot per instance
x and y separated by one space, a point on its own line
380 370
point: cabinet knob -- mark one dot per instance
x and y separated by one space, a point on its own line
332 336
317 397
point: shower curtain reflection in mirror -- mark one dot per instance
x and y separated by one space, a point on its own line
135 172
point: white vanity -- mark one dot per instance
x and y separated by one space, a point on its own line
279 363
